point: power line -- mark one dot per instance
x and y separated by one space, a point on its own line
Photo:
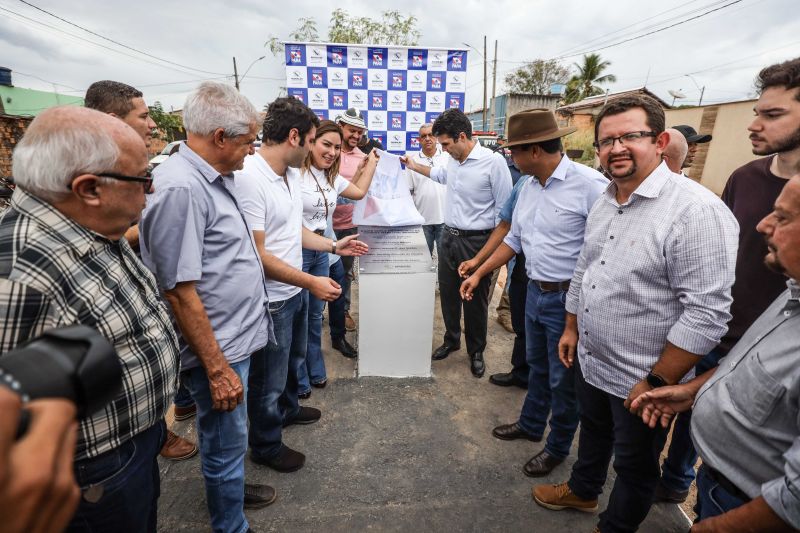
84 40
650 32
117 42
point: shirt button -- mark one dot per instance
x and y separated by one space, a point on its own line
588 353
586 310
612 237
602 262
787 313
620 211
585 332
593 286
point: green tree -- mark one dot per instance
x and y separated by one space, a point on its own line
392 28
537 77
167 124
588 79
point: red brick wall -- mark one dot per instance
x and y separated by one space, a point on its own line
11 130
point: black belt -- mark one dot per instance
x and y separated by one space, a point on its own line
467 232
319 231
726 484
552 286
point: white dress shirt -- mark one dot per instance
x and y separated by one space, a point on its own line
476 189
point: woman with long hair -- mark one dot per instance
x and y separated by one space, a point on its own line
321 185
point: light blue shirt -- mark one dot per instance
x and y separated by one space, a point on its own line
476 189
548 222
508 207
193 230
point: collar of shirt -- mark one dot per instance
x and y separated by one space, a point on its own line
794 289
202 166
649 188
55 222
430 158
560 172
265 170
477 152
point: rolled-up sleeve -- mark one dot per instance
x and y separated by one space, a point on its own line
783 494
701 262
171 234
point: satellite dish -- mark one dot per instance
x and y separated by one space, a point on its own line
676 94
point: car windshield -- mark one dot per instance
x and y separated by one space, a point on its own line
168 148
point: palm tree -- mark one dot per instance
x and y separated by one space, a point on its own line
590 74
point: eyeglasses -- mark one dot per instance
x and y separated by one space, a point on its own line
146 180
628 138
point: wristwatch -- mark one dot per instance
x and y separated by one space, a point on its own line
655 381
333 247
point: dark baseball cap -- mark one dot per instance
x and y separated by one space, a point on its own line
691 135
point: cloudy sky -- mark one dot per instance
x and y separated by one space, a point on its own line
178 43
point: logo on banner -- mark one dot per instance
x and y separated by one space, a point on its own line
416 101
417 60
435 81
397 120
456 61
432 116
357 100
379 136
414 120
454 100
377 101
377 58
357 79
337 58
295 56
436 59
414 141
300 94
337 99
317 77
398 80
321 113
318 100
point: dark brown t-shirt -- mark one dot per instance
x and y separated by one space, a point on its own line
750 193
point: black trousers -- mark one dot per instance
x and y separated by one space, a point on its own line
517 295
606 428
454 251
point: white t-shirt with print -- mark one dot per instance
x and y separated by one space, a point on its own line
316 192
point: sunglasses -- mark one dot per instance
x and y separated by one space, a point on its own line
146 180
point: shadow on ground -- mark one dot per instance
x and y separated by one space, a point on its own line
405 455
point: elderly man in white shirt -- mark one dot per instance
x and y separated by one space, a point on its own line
428 195
478 184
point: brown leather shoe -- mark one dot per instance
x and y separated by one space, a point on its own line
177 448
513 432
504 319
185 413
558 497
541 464
349 323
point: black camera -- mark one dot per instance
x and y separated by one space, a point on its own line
73 362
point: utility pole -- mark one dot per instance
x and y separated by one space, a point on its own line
494 86
485 65
235 75
701 96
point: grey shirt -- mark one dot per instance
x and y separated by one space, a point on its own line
193 230
746 418
658 268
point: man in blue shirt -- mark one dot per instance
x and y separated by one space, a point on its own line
547 225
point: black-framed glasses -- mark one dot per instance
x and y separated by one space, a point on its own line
628 138
146 180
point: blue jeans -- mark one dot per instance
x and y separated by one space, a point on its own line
222 437
128 476
272 395
551 385
336 307
316 264
182 396
517 294
607 428
712 499
433 234
677 472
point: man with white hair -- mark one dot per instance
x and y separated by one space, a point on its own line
81 180
428 195
676 150
194 238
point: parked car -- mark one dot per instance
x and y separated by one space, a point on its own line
168 150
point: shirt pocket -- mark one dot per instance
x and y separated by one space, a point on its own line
754 392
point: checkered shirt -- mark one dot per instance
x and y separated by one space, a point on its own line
656 269
55 272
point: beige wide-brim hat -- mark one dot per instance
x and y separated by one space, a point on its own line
534 126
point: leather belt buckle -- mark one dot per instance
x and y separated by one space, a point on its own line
453 231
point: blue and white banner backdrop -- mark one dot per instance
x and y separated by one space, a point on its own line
396 88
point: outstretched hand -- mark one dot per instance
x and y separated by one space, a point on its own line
349 246
663 403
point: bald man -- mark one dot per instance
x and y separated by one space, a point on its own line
81 179
676 150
